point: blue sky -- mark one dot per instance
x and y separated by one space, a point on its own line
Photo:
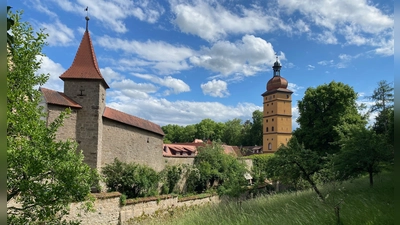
178 62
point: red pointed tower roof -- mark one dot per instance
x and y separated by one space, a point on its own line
85 64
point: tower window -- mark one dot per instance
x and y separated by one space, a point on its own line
273 96
272 119
269 146
266 129
272 111
287 96
272 103
266 120
272 128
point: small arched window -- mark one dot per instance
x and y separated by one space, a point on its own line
272 128
266 129
269 146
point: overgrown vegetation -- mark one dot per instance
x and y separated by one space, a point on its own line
213 169
44 175
131 179
361 205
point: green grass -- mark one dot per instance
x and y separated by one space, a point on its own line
359 204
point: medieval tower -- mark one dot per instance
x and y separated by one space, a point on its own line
84 84
277 113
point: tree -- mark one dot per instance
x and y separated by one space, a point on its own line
257 128
293 163
362 151
231 135
206 129
215 169
43 175
321 110
383 98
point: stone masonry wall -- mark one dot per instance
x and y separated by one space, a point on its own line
129 144
173 161
68 130
107 208
90 94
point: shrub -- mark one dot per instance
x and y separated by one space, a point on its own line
170 176
133 180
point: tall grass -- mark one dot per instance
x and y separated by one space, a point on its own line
358 204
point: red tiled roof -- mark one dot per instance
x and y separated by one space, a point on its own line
58 98
85 64
119 116
175 150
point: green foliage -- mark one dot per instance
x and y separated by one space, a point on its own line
293 164
170 177
361 205
132 179
43 175
362 151
321 110
260 166
383 97
213 169
122 199
232 132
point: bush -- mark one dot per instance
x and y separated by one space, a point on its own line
170 176
213 169
259 169
133 180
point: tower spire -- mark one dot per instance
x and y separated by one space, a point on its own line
87 17
277 67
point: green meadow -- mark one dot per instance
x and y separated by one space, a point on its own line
354 202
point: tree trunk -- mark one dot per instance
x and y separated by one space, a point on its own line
314 186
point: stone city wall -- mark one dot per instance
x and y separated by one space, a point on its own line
130 144
108 210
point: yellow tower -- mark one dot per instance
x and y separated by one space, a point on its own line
277 116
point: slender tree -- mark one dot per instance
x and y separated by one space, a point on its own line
383 97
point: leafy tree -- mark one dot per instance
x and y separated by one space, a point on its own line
215 169
231 135
383 97
132 179
321 110
294 163
189 133
206 129
362 151
260 167
43 175
173 133
257 128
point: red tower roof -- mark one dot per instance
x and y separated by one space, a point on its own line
85 64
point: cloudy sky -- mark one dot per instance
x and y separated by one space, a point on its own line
180 61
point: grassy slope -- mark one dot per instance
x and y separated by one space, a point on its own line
361 205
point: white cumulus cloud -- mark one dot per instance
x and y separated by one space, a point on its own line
215 88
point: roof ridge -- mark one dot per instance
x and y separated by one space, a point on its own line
132 120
